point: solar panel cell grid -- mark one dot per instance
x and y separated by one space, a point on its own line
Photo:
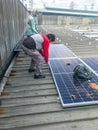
62 66
73 91
60 51
92 62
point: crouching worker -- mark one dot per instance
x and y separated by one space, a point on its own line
37 47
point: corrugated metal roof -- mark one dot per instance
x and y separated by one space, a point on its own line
33 104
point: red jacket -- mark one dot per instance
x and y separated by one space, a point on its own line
45 51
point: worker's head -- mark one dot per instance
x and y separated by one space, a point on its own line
51 37
35 12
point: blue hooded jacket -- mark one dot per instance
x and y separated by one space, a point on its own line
31 26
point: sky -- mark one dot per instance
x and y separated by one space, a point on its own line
79 4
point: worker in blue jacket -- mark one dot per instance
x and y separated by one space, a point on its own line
31 25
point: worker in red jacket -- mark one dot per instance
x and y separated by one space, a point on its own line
37 47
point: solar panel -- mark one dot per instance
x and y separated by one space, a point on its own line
92 62
60 51
72 91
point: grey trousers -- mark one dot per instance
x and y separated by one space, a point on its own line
36 59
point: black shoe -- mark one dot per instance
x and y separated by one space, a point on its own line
31 70
39 76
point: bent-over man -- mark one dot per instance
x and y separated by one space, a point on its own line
37 47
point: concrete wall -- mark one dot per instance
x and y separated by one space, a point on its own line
65 20
12 24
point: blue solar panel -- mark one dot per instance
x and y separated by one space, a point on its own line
92 62
72 91
60 51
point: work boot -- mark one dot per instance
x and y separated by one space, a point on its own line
40 76
31 70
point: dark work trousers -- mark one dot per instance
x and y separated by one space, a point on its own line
36 59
